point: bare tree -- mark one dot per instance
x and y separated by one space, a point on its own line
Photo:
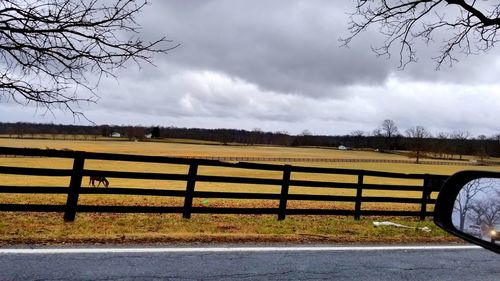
358 138
440 145
389 130
52 49
417 136
466 26
357 133
485 212
377 132
481 149
496 137
305 132
461 138
464 200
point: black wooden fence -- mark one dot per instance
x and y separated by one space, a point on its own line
429 183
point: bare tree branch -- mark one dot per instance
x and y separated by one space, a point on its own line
468 27
51 50
417 135
465 199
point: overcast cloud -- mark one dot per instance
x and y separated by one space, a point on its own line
278 66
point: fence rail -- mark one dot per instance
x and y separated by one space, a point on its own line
347 160
429 184
319 160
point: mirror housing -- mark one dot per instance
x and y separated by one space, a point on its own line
451 209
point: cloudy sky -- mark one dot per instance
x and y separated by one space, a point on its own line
278 66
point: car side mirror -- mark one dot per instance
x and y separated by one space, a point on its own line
468 206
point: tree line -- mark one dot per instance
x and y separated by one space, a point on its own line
417 141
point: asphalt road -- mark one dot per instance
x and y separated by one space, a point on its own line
236 263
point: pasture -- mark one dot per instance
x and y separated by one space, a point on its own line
138 225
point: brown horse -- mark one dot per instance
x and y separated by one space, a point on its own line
100 180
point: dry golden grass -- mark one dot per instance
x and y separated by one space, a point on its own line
184 149
137 228
176 149
37 227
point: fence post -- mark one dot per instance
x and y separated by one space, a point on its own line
74 187
284 192
359 197
426 191
191 181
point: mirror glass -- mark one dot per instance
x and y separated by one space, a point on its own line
477 209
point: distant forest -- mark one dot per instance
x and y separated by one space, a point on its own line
443 146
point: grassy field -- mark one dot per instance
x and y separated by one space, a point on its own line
40 228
